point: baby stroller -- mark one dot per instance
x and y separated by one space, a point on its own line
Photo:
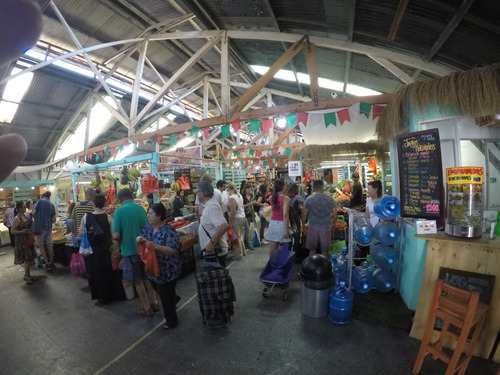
278 271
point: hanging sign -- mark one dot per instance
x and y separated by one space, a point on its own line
294 168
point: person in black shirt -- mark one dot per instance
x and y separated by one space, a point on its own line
357 192
178 204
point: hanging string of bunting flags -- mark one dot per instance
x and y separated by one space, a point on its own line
331 118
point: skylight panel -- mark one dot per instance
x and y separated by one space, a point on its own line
14 92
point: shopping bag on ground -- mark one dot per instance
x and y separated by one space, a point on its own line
77 265
256 239
148 256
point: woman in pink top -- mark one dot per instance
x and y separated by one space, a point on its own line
278 226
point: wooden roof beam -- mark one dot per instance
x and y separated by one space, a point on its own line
398 17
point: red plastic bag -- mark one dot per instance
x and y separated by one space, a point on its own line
150 185
232 238
110 196
77 265
148 256
183 182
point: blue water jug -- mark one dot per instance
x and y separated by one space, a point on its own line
385 256
384 280
340 270
386 232
363 229
341 300
387 207
342 257
362 280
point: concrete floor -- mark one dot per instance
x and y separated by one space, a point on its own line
52 327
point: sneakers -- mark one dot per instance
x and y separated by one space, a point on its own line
264 242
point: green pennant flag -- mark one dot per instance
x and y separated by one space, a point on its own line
265 162
236 152
106 150
97 156
121 148
134 146
292 119
172 140
288 151
252 152
365 108
225 130
283 166
152 138
221 157
254 126
79 159
330 118
231 164
194 131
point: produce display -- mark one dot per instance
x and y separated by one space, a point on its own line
187 240
59 231
179 223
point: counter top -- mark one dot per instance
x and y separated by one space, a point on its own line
442 236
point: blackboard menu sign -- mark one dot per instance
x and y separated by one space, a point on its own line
469 281
421 176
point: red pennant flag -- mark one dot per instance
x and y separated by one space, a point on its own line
157 138
276 149
267 125
225 154
344 116
258 153
377 110
101 153
236 125
180 135
302 117
205 131
112 151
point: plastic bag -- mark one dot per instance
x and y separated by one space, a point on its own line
77 265
110 196
183 182
148 256
116 256
85 248
150 185
232 237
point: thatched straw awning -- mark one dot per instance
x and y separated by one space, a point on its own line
473 93
315 154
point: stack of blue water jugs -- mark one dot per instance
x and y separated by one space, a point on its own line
377 269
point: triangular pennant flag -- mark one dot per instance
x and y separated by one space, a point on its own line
276 150
302 117
172 140
97 156
254 126
225 154
112 151
121 148
291 118
134 146
205 131
365 108
330 118
377 110
267 125
225 130
288 151
258 153
236 153
158 138
101 153
252 152
344 116
236 124
194 131
180 135
106 150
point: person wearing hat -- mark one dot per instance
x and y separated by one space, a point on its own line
128 222
356 195
213 225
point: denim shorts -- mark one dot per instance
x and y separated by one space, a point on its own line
133 269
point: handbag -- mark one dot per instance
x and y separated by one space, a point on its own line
77 265
85 248
218 246
148 257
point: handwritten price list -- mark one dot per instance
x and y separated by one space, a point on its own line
420 174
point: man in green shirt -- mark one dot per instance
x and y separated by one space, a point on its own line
128 222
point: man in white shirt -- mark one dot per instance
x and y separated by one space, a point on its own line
216 195
221 189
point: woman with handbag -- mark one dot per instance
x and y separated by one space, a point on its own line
105 283
260 204
24 250
236 213
165 241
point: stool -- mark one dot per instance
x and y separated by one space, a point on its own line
461 309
